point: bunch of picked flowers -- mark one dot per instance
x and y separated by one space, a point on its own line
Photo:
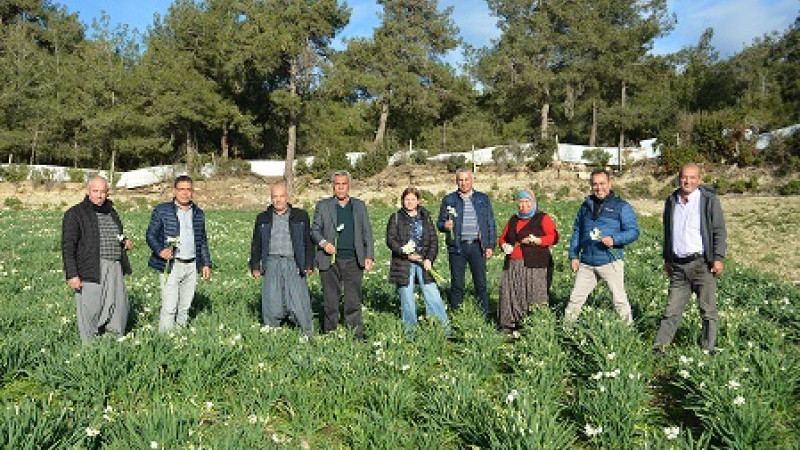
451 214
172 242
596 235
410 248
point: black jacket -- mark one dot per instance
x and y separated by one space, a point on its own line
398 233
80 242
299 231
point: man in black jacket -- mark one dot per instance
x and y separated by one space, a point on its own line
94 249
281 251
695 241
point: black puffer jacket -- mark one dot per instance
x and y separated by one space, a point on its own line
398 233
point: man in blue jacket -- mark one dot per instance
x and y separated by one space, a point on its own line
467 219
604 225
177 236
282 251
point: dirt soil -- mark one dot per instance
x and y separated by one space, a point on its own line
762 230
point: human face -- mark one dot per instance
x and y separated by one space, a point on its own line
183 192
689 179
279 198
97 190
341 187
464 181
601 185
410 202
524 205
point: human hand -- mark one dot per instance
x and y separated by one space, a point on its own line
309 272
256 273
128 244
414 257
368 263
165 254
427 265
448 224
574 264
206 271
507 248
717 268
608 241
668 269
329 248
488 253
75 283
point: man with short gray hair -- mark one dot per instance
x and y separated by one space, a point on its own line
94 249
345 248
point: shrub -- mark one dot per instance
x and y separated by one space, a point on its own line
232 166
371 164
540 154
12 202
324 165
15 173
419 157
597 157
76 175
790 188
454 163
722 185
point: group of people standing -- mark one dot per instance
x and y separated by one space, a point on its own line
288 245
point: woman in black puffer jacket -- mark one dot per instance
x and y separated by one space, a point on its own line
412 238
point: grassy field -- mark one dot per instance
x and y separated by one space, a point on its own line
226 382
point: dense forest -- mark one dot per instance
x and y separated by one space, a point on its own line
225 79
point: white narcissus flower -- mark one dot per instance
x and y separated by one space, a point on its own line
339 228
451 211
121 237
592 431
92 432
672 432
409 248
738 401
595 234
507 248
153 444
733 384
684 373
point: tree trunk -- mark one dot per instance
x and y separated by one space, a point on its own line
189 151
223 142
545 113
381 127
593 133
111 169
621 122
33 147
288 170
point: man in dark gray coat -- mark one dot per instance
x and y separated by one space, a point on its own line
343 236
94 249
695 241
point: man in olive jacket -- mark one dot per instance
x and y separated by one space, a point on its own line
345 248
94 249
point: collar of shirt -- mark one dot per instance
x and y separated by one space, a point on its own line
467 195
691 198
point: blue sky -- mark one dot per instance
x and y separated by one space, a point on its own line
735 22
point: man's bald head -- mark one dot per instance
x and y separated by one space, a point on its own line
97 190
279 197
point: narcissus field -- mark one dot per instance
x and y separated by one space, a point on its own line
227 382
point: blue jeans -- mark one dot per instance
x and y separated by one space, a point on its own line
430 292
470 254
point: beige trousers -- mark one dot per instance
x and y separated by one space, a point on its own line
585 281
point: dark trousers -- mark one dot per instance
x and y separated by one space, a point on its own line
344 275
694 276
470 255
